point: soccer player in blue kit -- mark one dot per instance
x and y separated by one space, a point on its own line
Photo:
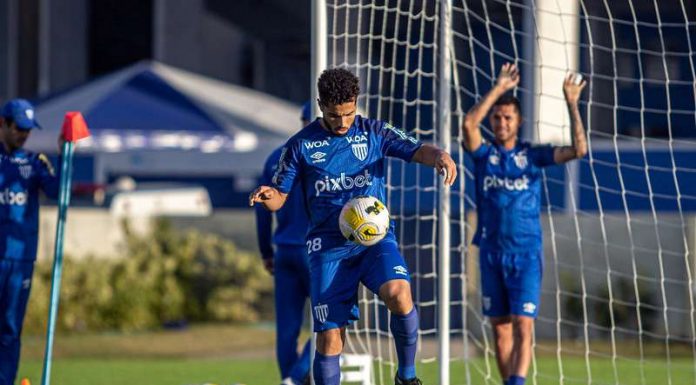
508 196
290 268
335 158
22 175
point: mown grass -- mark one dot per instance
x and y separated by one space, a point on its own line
225 355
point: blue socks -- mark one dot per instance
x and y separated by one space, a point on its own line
404 328
327 369
515 380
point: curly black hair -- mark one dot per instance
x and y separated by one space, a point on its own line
337 86
507 99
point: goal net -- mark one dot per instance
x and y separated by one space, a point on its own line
618 292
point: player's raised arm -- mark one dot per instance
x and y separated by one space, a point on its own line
432 156
508 79
572 87
269 197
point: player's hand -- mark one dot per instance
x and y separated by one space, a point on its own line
262 193
268 265
446 167
509 77
572 87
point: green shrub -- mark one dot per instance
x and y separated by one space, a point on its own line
166 276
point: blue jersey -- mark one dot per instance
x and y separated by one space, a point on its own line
508 196
22 174
291 219
332 169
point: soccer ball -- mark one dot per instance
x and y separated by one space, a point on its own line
364 220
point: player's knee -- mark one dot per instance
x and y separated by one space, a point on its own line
330 342
397 295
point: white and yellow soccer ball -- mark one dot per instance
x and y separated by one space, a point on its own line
364 220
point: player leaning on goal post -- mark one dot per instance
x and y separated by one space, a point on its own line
508 195
336 158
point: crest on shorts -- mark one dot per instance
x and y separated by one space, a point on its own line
359 150
321 312
486 302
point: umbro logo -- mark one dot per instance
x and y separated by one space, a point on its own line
318 157
529 307
400 270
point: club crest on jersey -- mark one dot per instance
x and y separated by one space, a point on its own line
494 159
359 150
25 171
520 159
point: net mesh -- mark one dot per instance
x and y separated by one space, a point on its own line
617 300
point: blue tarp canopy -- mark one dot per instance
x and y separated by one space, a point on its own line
154 122
156 107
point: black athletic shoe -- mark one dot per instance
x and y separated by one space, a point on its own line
413 381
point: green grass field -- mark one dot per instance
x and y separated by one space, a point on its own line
227 355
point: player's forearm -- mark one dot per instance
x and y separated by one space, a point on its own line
577 131
427 155
473 118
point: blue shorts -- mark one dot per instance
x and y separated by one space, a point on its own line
334 282
510 282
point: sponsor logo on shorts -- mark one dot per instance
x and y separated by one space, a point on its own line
529 307
401 270
321 312
26 284
486 302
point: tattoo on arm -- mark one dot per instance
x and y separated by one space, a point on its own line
578 149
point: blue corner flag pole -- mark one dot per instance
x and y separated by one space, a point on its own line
63 202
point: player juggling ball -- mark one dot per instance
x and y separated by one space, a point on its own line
335 158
